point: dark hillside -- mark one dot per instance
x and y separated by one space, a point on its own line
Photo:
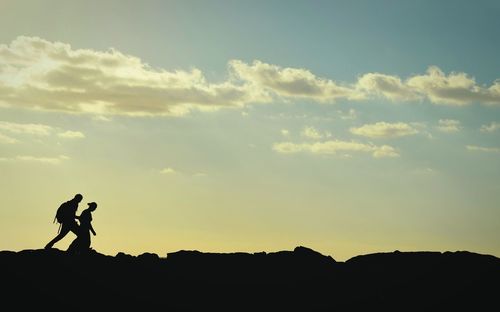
299 280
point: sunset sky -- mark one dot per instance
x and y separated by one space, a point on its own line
349 127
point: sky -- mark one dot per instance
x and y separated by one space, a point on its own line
349 127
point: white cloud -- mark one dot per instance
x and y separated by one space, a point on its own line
492 127
291 82
42 75
449 125
333 147
71 135
388 86
35 130
26 128
101 118
426 171
385 130
7 140
483 149
456 89
167 170
311 133
453 89
45 160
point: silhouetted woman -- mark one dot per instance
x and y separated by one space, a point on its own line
81 244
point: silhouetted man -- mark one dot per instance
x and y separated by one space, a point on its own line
67 217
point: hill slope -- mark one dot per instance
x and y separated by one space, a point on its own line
299 280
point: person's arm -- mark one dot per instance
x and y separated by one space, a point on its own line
92 230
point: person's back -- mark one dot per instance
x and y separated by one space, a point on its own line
67 219
69 211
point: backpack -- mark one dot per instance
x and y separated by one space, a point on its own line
62 213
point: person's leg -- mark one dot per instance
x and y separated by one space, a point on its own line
86 241
64 230
73 247
75 228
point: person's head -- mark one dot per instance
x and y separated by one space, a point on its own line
92 206
78 198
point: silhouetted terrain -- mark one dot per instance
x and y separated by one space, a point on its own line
299 280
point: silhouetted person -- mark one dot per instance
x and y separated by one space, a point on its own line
66 215
81 244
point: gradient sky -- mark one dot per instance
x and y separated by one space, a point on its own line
349 127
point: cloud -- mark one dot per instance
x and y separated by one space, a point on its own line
333 147
387 86
284 132
71 135
349 115
449 125
453 89
7 140
101 118
384 130
291 82
167 170
44 160
313 133
483 149
35 130
28 128
456 89
492 127
43 75
52 76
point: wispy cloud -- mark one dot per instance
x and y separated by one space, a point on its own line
449 125
385 130
39 130
313 133
7 139
167 171
101 118
44 75
351 114
26 128
333 147
426 171
483 149
285 132
71 135
492 127
34 159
